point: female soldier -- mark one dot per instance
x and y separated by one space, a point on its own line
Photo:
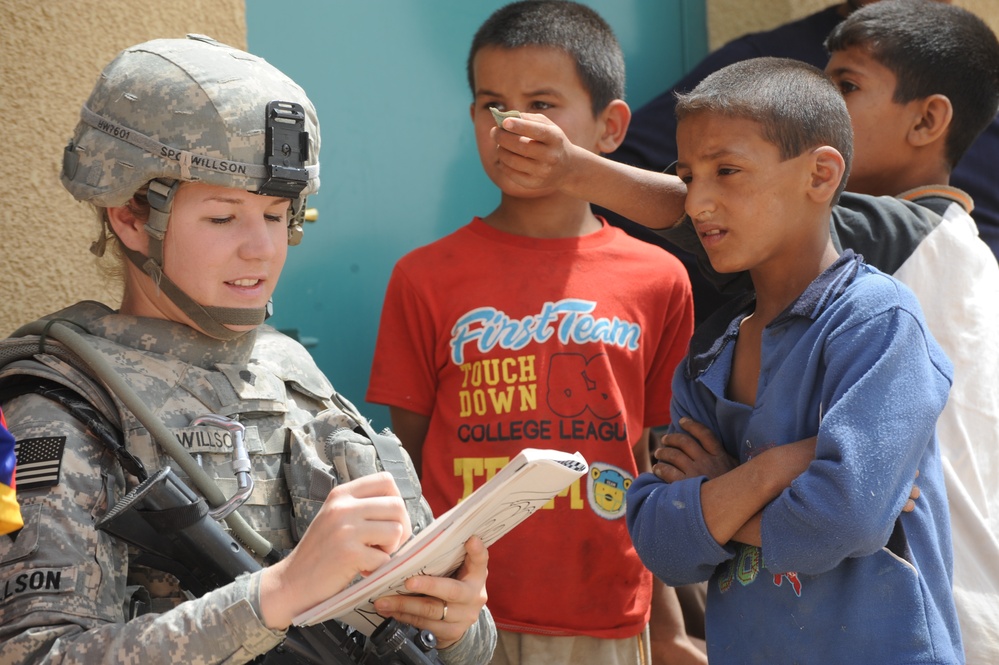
198 158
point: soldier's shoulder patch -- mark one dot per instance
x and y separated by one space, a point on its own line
38 462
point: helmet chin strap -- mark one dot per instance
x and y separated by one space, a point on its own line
212 320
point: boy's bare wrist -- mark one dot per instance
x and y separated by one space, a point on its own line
578 180
770 473
780 465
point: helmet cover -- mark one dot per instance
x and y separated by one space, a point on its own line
182 109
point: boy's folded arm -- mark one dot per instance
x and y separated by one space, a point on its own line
749 533
682 530
782 465
692 450
732 502
664 521
667 521
875 417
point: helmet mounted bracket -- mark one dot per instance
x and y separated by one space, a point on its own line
287 151
287 146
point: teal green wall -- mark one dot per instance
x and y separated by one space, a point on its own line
399 164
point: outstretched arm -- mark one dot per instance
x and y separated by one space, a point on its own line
535 152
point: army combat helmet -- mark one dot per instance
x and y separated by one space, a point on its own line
174 110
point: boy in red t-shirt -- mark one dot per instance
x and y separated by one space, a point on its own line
539 325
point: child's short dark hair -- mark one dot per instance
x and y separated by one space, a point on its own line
576 29
932 48
797 106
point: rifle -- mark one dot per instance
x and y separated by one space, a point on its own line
171 525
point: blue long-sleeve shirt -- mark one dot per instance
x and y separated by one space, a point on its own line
841 576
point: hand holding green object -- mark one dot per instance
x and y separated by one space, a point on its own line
502 115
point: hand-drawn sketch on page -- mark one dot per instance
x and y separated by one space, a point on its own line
529 481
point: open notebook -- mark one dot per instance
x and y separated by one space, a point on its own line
524 485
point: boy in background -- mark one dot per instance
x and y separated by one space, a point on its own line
921 81
525 328
823 386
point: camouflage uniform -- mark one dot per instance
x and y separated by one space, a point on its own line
64 585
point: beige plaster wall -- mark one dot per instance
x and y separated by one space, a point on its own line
51 53
728 19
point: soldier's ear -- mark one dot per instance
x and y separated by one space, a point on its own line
129 228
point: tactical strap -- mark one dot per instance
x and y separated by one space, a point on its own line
389 451
83 411
387 448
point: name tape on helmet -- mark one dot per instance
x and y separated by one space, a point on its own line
185 158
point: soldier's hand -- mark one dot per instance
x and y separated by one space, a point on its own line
463 596
359 525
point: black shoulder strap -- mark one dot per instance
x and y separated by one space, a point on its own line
83 411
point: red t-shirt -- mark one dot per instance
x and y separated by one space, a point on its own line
509 342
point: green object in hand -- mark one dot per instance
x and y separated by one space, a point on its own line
501 115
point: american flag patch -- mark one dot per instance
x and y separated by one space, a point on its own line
38 462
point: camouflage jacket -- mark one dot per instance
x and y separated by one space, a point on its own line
65 586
